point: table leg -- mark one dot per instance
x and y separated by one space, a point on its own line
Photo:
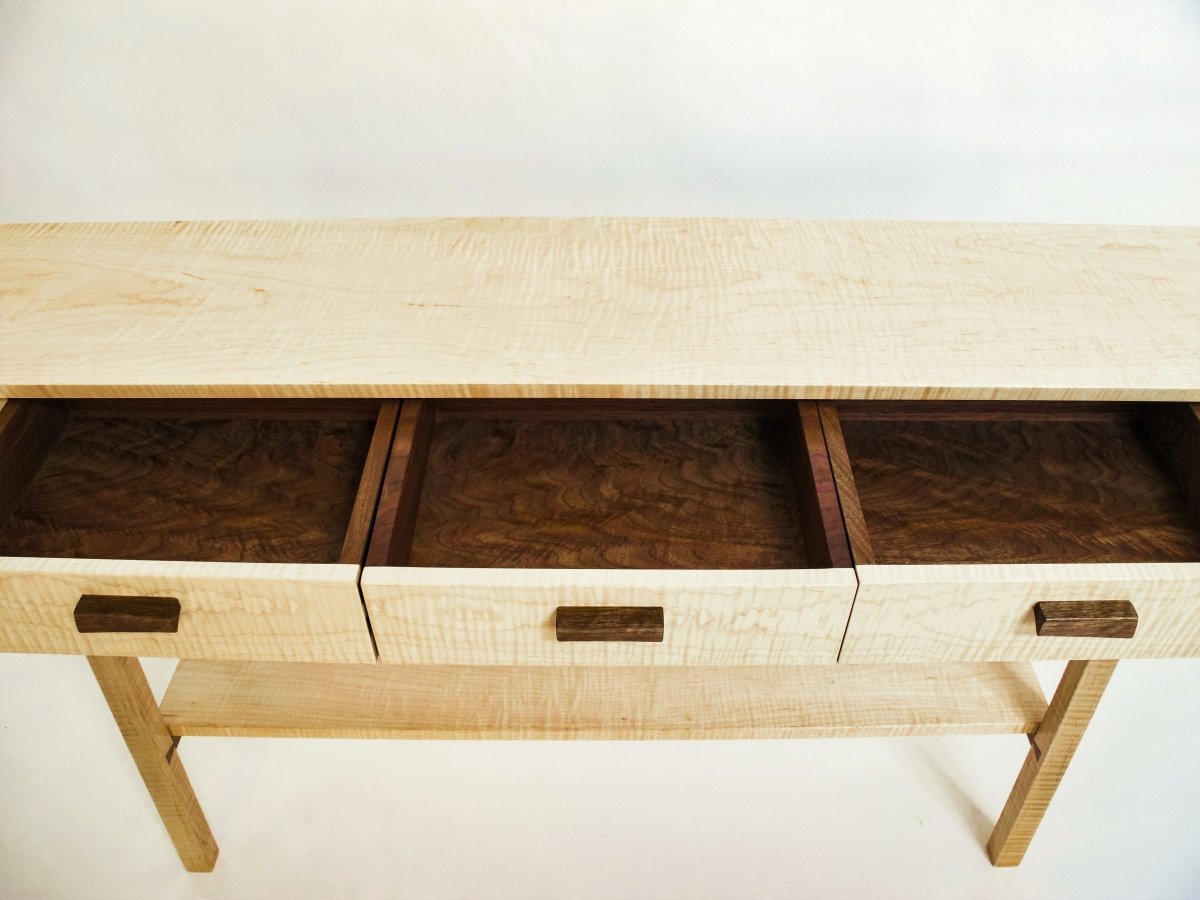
1053 745
153 749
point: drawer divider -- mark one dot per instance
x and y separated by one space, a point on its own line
821 514
391 539
366 498
847 491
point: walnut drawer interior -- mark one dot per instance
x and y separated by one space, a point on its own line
213 481
608 484
601 484
1018 483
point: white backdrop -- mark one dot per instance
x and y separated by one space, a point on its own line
1014 110
1075 111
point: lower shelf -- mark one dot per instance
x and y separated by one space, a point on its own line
254 699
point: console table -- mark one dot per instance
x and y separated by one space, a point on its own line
621 478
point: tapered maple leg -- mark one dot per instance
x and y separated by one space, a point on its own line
1053 745
153 749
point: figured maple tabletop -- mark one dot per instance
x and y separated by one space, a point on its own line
683 308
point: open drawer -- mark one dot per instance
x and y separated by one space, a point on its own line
1012 531
184 528
608 532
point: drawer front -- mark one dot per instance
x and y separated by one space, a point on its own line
926 613
226 610
507 616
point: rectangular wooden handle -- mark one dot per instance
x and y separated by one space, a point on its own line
609 623
97 613
1085 618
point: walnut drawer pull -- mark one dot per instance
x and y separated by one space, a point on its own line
1085 618
609 623
97 614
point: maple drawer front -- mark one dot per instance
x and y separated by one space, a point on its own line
227 610
205 529
507 616
679 533
993 531
920 614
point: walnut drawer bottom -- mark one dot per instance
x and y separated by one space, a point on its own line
253 699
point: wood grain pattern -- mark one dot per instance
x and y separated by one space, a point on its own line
973 516
505 617
447 702
940 613
96 614
612 623
392 534
600 307
1085 618
857 534
212 490
692 491
152 747
1055 743
27 431
820 513
229 610
1017 491
366 498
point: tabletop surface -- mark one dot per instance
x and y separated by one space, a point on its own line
683 308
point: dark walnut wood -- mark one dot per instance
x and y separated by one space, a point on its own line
1083 486
820 512
843 476
1085 618
391 538
270 490
982 410
610 623
675 487
334 409
28 429
1174 430
366 499
96 614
